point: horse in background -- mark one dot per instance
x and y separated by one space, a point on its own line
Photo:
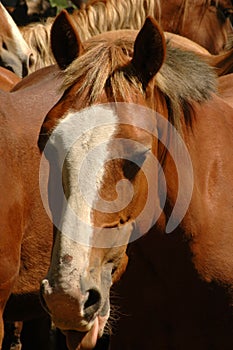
15 54
26 238
205 22
117 172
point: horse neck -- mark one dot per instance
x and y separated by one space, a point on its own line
169 21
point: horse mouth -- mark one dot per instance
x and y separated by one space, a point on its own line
87 340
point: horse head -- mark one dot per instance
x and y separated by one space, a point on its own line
101 141
14 51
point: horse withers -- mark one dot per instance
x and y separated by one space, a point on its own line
139 143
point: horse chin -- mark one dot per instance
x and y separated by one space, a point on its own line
86 340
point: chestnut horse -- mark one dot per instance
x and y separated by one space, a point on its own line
14 51
28 228
26 237
140 142
205 22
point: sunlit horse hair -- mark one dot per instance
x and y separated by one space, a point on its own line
91 19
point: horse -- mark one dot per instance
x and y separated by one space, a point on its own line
26 237
139 149
14 51
205 22
30 230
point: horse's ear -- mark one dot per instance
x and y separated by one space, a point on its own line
149 50
65 42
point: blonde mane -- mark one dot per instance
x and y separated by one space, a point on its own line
37 36
99 16
105 65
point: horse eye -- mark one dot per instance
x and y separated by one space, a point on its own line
226 12
131 167
4 46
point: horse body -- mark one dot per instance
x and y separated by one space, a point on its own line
121 170
14 51
22 213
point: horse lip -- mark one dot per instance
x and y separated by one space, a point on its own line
86 327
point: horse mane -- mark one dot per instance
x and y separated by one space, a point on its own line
37 36
99 16
105 64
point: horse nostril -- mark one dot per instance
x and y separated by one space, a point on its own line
93 298
92 303
24 69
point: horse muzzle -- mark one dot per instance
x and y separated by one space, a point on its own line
71 309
